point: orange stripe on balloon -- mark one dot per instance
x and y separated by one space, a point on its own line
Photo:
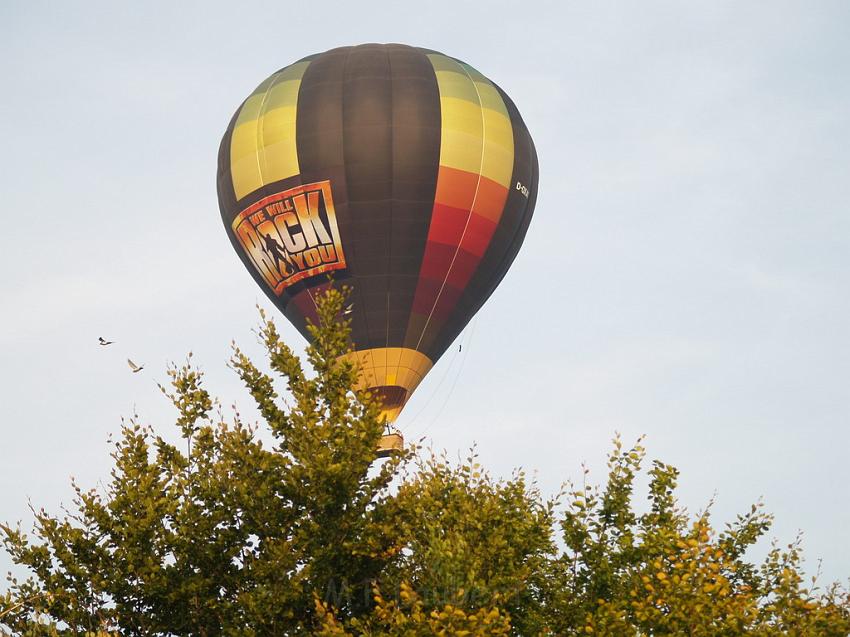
456 188
490 200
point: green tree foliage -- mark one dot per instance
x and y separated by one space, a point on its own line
666 573
228 535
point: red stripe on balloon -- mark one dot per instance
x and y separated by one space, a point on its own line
467 210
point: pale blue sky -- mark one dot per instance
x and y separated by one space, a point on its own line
686 275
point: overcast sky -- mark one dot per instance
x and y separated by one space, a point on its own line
685 276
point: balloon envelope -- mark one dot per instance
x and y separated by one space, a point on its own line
400 171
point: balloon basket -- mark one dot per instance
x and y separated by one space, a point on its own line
389 444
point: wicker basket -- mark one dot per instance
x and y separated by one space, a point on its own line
388 444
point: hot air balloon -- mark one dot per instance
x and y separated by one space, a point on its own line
400 171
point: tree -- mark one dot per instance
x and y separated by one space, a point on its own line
230 534
309 535
667 573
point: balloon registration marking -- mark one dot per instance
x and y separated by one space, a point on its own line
292 235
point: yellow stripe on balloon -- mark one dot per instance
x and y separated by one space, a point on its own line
263 145
498 163
477 135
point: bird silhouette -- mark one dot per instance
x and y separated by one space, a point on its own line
134 367
103 341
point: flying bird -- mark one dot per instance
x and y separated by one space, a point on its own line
104 342
134 367
348 309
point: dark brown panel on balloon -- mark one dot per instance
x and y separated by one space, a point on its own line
369 120
320 157
416 158
224 185
367 147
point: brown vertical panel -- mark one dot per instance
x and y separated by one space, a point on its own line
367 147
369 120
224 184
416 157
319 128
